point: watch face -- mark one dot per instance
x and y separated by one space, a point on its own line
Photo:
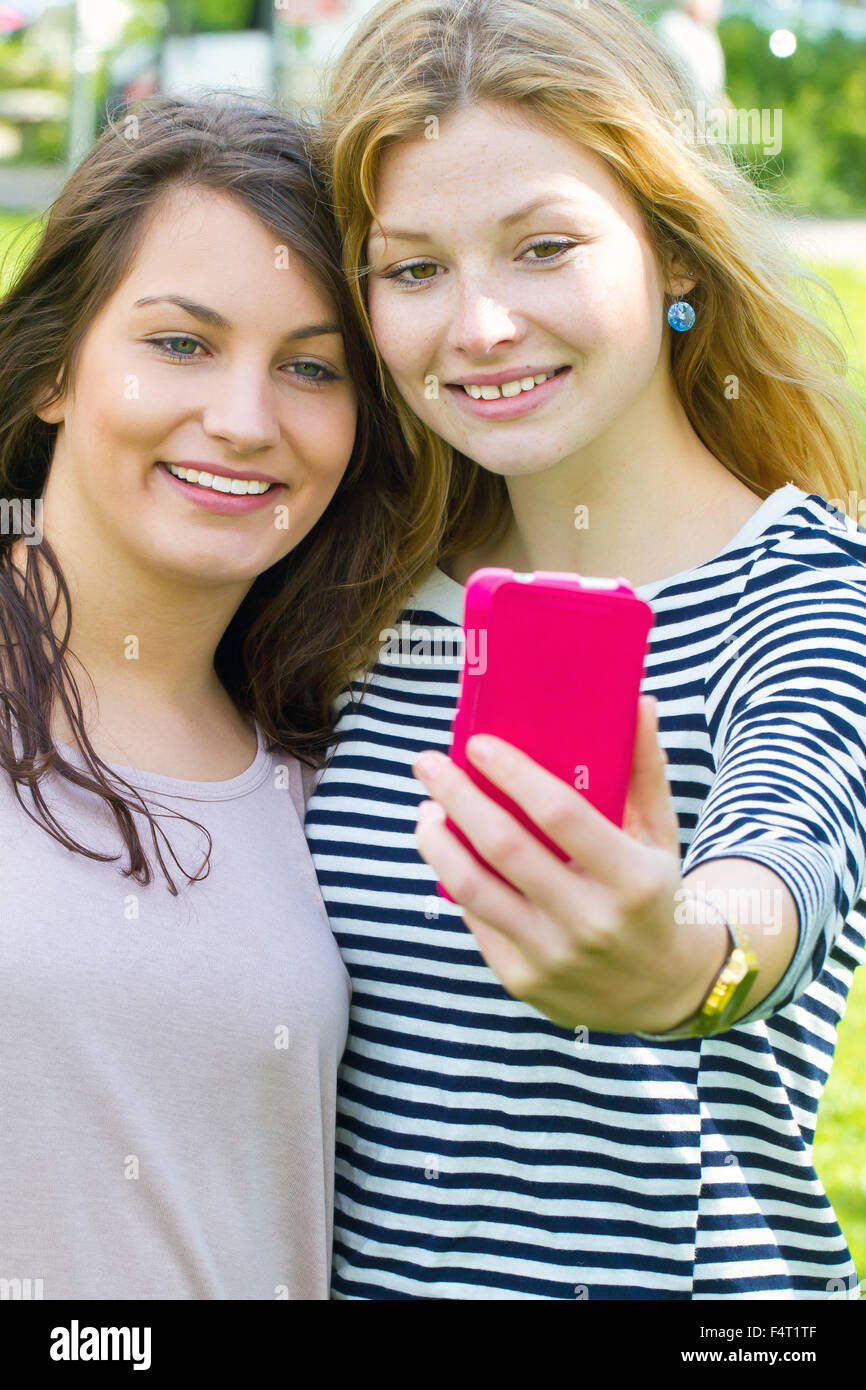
737 967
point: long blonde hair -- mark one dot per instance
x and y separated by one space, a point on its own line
760 375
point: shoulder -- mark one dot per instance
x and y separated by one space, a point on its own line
287 771
813 548
798 602
309 776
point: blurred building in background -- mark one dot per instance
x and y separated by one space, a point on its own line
65 66
811 18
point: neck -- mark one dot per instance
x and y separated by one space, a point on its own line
144 638
642 497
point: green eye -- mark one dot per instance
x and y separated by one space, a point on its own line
553 246
166 345
421 265
313 372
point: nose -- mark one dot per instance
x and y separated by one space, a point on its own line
481 320
243 410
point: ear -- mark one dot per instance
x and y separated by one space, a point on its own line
679 278
52 413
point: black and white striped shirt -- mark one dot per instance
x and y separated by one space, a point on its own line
486 1152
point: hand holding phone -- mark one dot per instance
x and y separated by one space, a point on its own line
553 663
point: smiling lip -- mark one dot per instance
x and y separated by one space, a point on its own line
497 378
507 407
221 470
221 503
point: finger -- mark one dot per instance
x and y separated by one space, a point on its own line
650 815
571 821
508 961
473 887
506 844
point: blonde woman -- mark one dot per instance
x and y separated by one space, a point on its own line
591 336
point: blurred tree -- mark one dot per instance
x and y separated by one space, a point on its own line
821 93
214 16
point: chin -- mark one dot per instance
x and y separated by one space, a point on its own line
212 570
516 468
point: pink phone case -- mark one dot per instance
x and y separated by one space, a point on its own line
553 663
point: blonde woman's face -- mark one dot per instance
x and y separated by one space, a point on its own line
506 255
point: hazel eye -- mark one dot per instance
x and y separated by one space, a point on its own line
555 247
404 274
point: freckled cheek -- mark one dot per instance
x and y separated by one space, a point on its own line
581 314
406 336
632 299
605 307
625 325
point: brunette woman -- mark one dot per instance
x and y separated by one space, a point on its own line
205 514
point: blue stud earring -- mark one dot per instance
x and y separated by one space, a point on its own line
681 316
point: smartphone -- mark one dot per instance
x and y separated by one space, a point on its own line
553 663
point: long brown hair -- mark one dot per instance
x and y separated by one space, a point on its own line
313 619
593 72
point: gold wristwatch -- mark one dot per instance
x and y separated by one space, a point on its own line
725 994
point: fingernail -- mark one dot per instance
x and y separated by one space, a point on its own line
480 749
429 765
430 810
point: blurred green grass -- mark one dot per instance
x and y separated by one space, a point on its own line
849 282
18 232
840 1140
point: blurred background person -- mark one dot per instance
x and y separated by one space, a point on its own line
688 31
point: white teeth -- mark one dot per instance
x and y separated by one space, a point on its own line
239 487
508 388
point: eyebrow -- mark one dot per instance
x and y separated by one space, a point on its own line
217 320
405 234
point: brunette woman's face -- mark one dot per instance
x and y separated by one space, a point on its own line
506 255
218 353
